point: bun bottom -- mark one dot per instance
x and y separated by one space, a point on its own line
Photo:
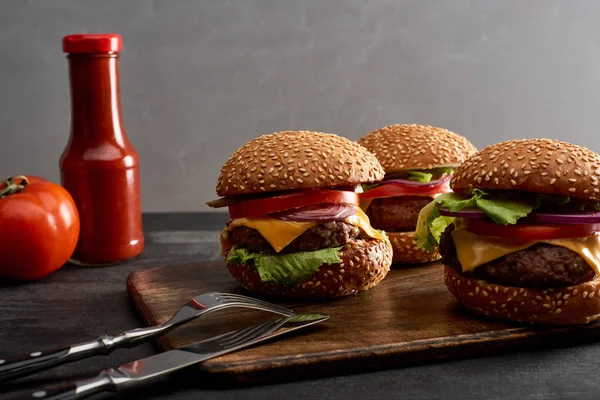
406 250
570 305
364 264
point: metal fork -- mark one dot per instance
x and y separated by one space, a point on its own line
141 371
194 308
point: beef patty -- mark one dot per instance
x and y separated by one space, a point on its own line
396 214
539 266
326 235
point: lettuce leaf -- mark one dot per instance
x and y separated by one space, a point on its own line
505 211
423 175
502 208
285 269
419 176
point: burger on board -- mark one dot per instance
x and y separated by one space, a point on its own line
519 237
296 228
418 162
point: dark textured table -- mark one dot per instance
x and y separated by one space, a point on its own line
76 304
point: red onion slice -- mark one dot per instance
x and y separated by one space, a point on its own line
587 217
464 213
408 182
326 212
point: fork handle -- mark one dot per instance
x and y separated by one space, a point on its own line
38 361
17 367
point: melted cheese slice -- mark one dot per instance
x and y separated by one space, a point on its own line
475 250
281 233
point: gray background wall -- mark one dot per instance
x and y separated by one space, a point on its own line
200 78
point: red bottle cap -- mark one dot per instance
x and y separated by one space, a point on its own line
92 43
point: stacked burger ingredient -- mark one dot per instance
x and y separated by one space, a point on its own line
519 237
296 227
418 162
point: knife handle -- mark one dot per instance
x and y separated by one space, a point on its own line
64 391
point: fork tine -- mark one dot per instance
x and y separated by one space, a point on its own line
254 301
249 334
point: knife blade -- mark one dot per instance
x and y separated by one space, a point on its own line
144 370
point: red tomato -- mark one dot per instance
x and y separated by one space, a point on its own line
530 232
268 205
39 227
394 189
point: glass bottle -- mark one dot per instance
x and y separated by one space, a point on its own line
99 166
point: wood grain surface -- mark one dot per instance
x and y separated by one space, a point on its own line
408 318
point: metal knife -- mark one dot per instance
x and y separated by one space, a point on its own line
144 370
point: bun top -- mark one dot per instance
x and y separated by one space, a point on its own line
532 165
405 147
297 160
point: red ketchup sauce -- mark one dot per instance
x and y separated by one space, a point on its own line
99 166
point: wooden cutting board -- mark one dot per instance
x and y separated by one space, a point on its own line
408 318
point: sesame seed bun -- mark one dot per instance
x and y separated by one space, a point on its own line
407 252
533 165
296 160
408 147
578 304
405 147
364 264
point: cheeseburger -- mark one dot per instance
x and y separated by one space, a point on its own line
519 235
296 227
418 162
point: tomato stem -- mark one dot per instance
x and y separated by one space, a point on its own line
11 187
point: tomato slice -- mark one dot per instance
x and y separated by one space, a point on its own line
530 232
268 205
394 189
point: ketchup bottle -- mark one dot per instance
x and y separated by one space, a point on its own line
99 166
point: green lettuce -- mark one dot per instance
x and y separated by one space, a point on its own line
424 176
502 207
285 269
419 176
